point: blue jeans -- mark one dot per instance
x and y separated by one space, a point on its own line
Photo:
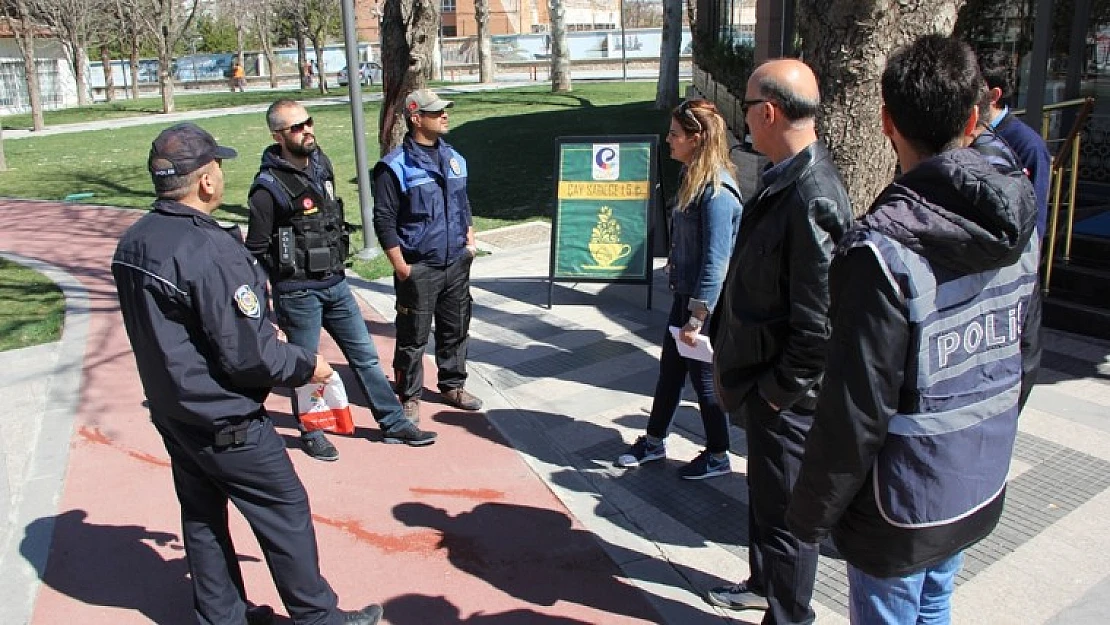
301 314
921 598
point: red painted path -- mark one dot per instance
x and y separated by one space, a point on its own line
459 532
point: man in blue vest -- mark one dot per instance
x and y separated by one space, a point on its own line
934 332
298 234
423 221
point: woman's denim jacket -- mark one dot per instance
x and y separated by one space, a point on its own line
702 238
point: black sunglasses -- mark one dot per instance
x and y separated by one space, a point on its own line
747 104
684 110
297 127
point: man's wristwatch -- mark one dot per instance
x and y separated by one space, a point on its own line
694 322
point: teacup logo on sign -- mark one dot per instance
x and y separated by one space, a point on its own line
605 243
607 161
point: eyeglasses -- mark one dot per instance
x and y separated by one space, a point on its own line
439 113
297 127
684 110
747 104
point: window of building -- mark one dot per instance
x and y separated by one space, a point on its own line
447 6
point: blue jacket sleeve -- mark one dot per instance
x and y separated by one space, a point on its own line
238 328
720 222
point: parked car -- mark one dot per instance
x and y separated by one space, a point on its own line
368 74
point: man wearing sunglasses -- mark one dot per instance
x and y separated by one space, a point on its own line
423 221
770 329
298 234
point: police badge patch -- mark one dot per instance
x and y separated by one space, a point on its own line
247 302
329 188
454 163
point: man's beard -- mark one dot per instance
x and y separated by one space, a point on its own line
302 150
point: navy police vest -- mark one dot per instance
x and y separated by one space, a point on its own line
948 448
312 240
433 229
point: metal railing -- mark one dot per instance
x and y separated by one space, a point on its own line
1065 165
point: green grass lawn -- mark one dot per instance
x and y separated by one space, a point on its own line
33 307
184 100
507 137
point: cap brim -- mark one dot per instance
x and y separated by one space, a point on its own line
437 106
223 153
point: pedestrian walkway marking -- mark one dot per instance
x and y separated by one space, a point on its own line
1058 482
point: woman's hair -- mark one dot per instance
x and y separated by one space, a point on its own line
710 155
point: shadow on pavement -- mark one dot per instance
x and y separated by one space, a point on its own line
114 566
497 543
424 609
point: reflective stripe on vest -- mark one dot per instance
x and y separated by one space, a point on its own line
948 448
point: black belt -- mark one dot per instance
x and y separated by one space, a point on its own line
232 435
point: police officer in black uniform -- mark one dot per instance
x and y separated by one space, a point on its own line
298 233
193 302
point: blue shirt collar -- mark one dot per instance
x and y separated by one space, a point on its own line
772 174
998 120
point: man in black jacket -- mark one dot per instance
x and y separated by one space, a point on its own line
298 234
194 305
770 329
934 332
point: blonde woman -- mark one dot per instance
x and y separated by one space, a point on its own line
703 231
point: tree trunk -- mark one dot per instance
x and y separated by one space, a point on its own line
165 76
80 62
24 32
847 42
240 43
109 75
271 60
322 77
560 50
408 30
3 161
485 47
666 90
302 59
133 66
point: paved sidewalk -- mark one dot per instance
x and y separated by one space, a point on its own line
517 515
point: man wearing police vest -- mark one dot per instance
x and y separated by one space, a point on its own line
934 332
298 234
424 223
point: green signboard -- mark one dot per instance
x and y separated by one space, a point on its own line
606 192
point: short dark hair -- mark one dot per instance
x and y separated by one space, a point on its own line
998 71
929 88
793 106
272 121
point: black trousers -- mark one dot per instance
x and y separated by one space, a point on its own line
783 567
442 295
255 473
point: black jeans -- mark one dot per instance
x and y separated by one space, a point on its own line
673 371
255 474
783 567
442 295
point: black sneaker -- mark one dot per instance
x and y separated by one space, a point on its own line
705 466
406 432
737 597
320 448
369 615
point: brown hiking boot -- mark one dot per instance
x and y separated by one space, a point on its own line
411 408
460 398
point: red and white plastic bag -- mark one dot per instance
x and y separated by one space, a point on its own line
325 407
